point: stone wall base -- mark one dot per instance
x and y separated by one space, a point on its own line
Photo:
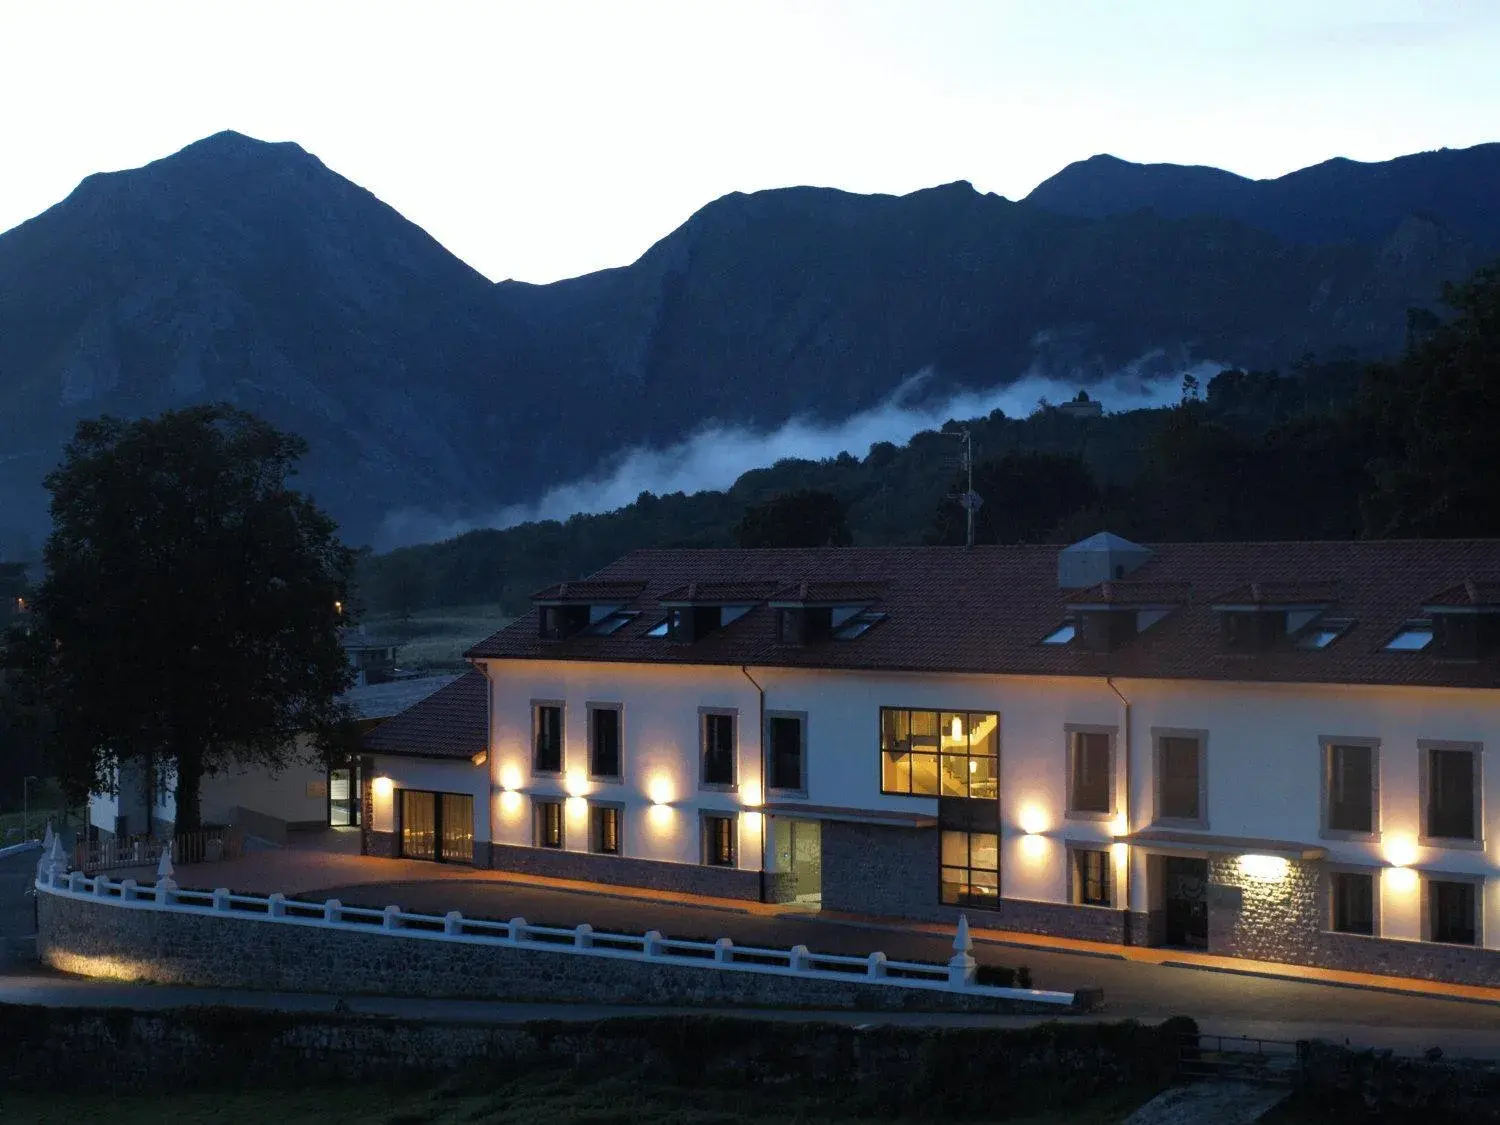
382 844
625 871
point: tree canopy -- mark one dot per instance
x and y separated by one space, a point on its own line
188 615
1025 497
806 517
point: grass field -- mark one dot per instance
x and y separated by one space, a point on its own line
435 639
541 1099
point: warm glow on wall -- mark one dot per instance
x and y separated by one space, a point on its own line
660 819
383 787
1119 826
510 778
576 783
1035 849
511 804
750 793
1033 820
1401 880
577 808
1120 853
1264 868
1401 851
661 790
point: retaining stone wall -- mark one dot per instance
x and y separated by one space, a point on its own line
101 938
1285 921
619 870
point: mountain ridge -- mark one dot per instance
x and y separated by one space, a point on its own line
249 272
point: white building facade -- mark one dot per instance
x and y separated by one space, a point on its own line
1268 751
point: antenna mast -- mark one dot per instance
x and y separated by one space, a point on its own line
969 500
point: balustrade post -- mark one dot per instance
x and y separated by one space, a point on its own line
101 885
800 960
453 922
276 905
392 919
653 945
517 930
724 951
127 891
332 910
583 936
221 898
877 965
962 968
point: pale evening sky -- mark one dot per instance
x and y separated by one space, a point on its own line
547 138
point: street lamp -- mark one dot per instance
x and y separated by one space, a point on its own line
26 806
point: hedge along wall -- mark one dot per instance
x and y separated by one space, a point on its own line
881 1071
103 938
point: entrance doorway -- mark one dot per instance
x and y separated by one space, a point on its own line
343 797
798 848
436 826
1185 889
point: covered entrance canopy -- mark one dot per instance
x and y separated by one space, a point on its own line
1166 841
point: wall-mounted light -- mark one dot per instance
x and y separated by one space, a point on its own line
510 803
1402 880
577 808
661 818
1401 851
576 783
383 787
1264 868
1035 848
750 794
338 608
660 790
510 778
480 758
1033 820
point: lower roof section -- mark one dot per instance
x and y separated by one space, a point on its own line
1174 842
886 818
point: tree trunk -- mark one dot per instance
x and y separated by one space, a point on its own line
189 788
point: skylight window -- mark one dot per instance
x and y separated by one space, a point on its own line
1323 634
612 623
1413 637
857 625
661 628
1062 635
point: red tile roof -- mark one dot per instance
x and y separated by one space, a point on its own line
1273 594
986 609
589 592
1467 594
829 593
718 593
451 723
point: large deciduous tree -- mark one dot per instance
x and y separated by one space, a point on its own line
190 609
805 517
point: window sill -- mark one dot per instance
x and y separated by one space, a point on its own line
1453 843
1350 934
718 787
1350 835
790 794
1180 822
1086 814
537 771
607 778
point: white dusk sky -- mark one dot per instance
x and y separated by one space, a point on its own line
547 138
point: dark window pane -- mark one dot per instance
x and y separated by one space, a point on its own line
1450 794
1353 903
719 840
1351 788
1092 870
1179 778
549 824
548 724
718 749
605 753
1091 780
1453 911
786 753
605 830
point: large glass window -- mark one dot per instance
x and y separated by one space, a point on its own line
547 737
1453 911
718 748
1179 782
456 827
1353 901
1351 788
1452 794
970 873
784 736
604 741
1092 870
437 826
604 829
940 753
418 824
1090 772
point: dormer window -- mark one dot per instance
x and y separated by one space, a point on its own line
857 624
813 612
1062 635
560 621
590 608
1414 636
1261 616
1323 634
661 628
608 620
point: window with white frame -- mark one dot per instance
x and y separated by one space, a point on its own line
1351 785
604 829
547 736
604 741
549 824
786 751
1450 792
719 832
1093 877
716 733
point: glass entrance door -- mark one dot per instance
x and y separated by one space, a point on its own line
437 826
456 827
343 797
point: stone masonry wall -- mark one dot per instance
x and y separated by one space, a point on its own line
871 869
1286 920
617 870
100 938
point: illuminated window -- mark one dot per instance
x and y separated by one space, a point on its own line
1092 870
718 841
661 628
547 737
970 873
1353 905
549 824
940 753
1062 635
604 829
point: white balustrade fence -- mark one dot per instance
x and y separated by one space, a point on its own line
958 975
